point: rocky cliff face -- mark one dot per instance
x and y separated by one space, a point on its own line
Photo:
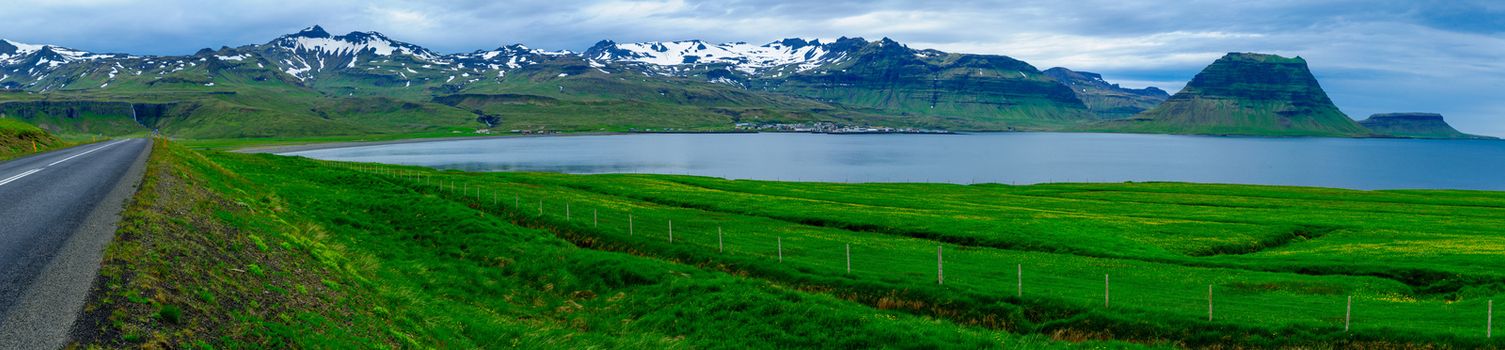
1414 125
1108 100
86 117
1249 94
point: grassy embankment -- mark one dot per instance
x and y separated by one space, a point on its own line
1281 262
18 138
257 251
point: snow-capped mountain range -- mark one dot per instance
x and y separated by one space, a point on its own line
313 50
369 62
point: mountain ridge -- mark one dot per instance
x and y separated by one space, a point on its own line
1108 100
316 76
846 80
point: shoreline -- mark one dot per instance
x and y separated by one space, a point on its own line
344 144
278 149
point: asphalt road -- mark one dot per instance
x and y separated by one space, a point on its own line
57 212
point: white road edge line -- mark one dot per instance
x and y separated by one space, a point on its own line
85 152
19 176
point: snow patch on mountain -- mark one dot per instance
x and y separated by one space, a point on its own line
742 56
50 54
315 42
24 48
342 47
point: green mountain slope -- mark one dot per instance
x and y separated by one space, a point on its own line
1414 125
205 96
18 138
1246 94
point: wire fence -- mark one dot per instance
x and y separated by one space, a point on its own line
1164 290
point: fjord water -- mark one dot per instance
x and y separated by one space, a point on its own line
1010 158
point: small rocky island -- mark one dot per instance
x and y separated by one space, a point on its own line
1414 125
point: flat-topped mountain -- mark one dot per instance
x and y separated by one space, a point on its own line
1248 94
1108 100
1414 125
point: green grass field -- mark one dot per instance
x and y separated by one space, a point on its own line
393 256
1281 262
252 251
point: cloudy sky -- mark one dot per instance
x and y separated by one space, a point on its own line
1372 56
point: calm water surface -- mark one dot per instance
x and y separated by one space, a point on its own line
1019 158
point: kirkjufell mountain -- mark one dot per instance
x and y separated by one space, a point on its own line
1249 94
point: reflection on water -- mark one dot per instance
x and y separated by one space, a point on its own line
1018 158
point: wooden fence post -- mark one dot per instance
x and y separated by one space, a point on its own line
781 249
940 275
1209 303
595 218
720 244
566 211
629 224
1106 291
1348 314
849 258
1019 291
671 230
540 207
